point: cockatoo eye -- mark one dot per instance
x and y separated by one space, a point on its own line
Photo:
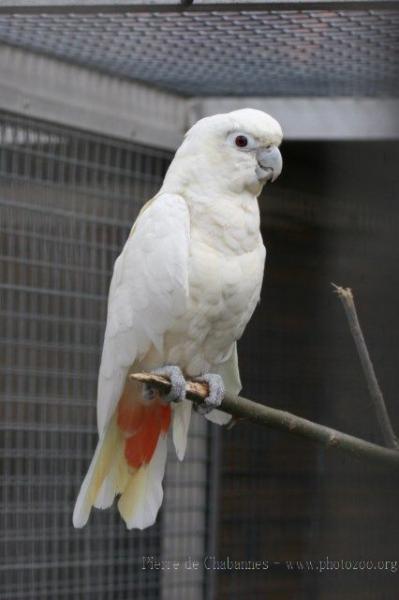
241 141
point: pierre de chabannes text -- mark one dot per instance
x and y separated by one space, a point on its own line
227 563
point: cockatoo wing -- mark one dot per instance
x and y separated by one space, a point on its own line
148 292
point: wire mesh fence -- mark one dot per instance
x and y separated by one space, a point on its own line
67 201
250 53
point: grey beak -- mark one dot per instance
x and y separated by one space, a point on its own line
270 159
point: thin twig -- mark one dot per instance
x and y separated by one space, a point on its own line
278 419
346 297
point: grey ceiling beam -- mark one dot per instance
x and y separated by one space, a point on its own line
311 119
132 6
47 88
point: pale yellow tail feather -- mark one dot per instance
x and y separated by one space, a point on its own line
140 502
109 475
93 490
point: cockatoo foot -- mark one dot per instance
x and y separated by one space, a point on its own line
216 392
178 383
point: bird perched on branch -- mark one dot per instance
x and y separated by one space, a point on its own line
183 289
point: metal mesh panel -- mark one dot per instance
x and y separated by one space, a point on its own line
67 200
310 53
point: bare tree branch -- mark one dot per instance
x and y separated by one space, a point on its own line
265 415
346 297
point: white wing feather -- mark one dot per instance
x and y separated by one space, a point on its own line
148 292
181 423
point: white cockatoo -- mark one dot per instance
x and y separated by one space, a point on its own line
183 289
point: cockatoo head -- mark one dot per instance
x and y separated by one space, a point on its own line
236 150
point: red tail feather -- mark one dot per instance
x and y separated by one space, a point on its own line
142 425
